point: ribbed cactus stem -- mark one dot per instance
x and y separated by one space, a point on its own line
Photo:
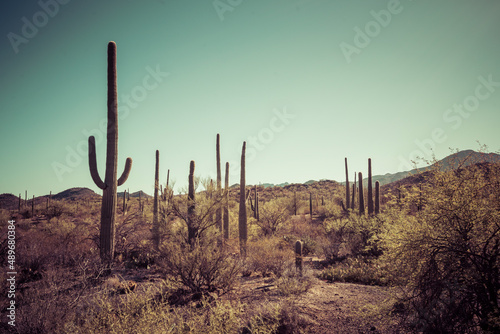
361 195
110 183
242 217
257 216
370 190
347 188
353 193
191 206
377 197
226 203
218 212
298 256
156 204
295 202
310 205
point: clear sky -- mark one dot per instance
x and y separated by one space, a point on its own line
304 82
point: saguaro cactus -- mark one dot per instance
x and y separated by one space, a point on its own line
226 203
242 219
353 192
347 197
191 206
377 197
298 256
361 195
370 190
156 204
218 212
110 183
311 205
257 215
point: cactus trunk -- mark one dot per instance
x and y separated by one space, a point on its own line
377 197
298 256
347 188
191 206
361 195
108 207
218 212
156 222
370 190
242 219
310 205
226 203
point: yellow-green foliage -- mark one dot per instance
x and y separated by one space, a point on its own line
448 254
269 255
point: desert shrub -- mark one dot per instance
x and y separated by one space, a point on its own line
356 270
294 282
269 255
274 215
354 235
448 254
200 267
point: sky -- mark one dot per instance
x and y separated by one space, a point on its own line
305 83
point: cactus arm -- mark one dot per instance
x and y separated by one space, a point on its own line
93 165
126 172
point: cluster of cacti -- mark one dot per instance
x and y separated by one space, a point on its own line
110 183
156 221
255 207
242 217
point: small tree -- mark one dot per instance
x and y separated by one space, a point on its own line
448 254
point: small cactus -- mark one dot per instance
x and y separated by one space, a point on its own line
361 195
377 197
298 256
110 183
242 219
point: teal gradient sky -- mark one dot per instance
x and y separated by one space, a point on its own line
230 73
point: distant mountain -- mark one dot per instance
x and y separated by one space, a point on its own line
466 158
9 202
134 195
76 194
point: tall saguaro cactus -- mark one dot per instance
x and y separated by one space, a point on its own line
347 197
226 203
191 206
361 195
218 212
242 219
156 204
370 189
110 183
377 197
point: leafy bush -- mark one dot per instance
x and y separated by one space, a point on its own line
269 255
356 270
448 254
